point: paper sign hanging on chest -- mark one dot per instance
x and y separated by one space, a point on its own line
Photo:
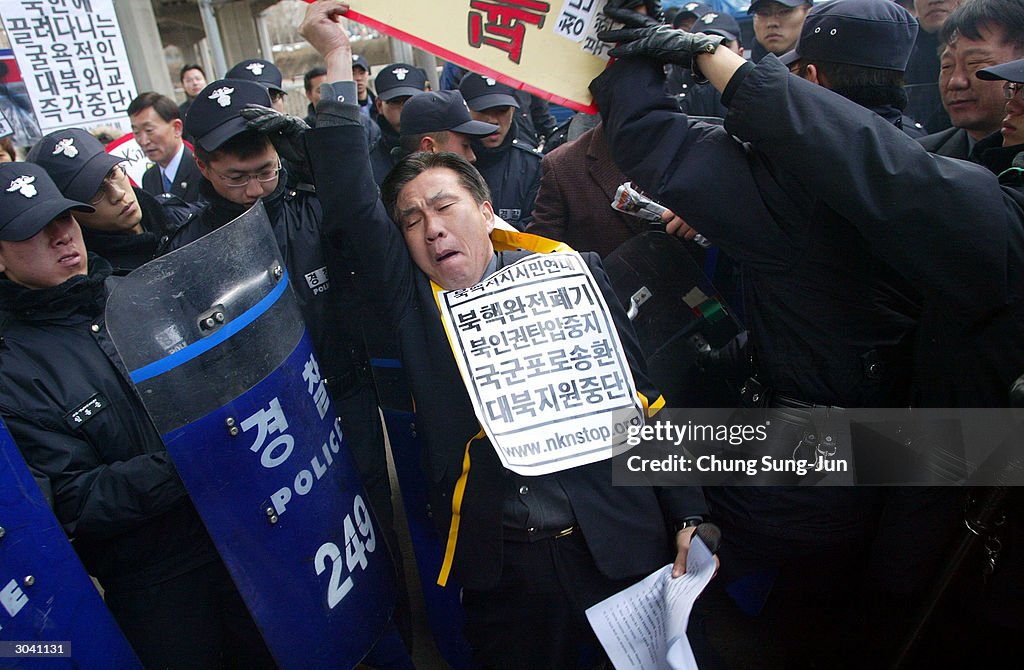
546 372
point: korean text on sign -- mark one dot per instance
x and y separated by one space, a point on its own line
513 41
539 353
75 67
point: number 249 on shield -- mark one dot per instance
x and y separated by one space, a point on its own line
359 541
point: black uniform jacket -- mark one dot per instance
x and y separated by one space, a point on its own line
512 172
827 187
952 142
468 481
186 180
693 98
819 208
78 422
381 158
987 356
820 306
946 225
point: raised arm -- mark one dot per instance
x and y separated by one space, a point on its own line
354 217
946 224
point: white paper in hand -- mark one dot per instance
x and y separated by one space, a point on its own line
644 626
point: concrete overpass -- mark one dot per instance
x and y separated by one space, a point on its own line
215 33
162 35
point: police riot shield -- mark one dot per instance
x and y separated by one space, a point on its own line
442 604
677 313
51 614
215 343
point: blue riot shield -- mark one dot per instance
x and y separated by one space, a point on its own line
215 343
443 605
51 615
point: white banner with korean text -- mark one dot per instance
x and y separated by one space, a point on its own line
73 61
513 41
543 364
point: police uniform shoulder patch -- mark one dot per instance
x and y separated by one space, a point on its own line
78 417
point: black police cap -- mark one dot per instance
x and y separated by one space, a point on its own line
75 160
1012 71
867 33
718 23
694 9
434 111
29 200
400 79
215 115
485 92
359 61
261 71
787 3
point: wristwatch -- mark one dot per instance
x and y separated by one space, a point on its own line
689 522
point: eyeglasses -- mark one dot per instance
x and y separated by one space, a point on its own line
110 182
1012 90
242 180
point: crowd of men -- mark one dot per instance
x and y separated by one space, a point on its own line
861 174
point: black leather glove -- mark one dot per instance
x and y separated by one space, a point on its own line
627 16
285 131
662 43
624 12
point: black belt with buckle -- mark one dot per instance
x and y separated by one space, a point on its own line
535 534
756 394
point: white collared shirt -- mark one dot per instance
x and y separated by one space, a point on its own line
172 167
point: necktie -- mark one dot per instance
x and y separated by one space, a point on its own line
167 182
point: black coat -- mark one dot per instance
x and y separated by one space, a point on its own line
512 171
819 304
610 517
953 232
951 142
693 99
818 232
186 180
115 490
948 225
985 356
381 157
